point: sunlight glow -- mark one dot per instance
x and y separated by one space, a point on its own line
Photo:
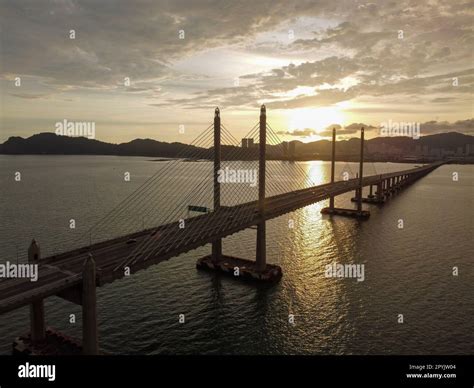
315 118
298 91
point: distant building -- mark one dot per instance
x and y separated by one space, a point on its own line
469 149
459 151
292 149
285 149
247 143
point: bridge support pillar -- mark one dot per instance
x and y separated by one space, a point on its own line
356 191
354 213
379 193
90 337
216 250
359 191
261 254
37 319
217 244
357 195
257 270
333 165
361 170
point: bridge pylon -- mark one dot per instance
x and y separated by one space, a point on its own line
261 254
217 244
234 266
90 338
353 213
37 317
333 165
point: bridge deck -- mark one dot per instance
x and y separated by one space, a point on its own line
64 271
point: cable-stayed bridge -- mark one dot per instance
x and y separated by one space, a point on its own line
223 209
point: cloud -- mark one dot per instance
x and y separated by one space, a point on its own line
347 35
443 100
298 132
30 96
344 50
328 73
350 129
427 128
368 51
140 40
463 126
347 130
358 126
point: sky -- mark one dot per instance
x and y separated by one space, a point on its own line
157 69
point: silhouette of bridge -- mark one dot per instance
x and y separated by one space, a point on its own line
75 274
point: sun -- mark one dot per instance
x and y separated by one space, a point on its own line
316 119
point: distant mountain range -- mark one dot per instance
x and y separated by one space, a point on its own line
402 146
52 144
378 148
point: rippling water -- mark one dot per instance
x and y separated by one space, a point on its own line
407 271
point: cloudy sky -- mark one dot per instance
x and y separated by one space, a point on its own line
313 63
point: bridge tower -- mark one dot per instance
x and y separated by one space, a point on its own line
261 259
90 338
333 165
361 171
37 320
237 267
358 183
217 244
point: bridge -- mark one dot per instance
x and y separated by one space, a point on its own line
75 274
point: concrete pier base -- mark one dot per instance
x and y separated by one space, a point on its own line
352 213
241 269
373 200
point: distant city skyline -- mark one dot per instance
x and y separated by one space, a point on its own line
157 70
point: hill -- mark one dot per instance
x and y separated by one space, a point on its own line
379 148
